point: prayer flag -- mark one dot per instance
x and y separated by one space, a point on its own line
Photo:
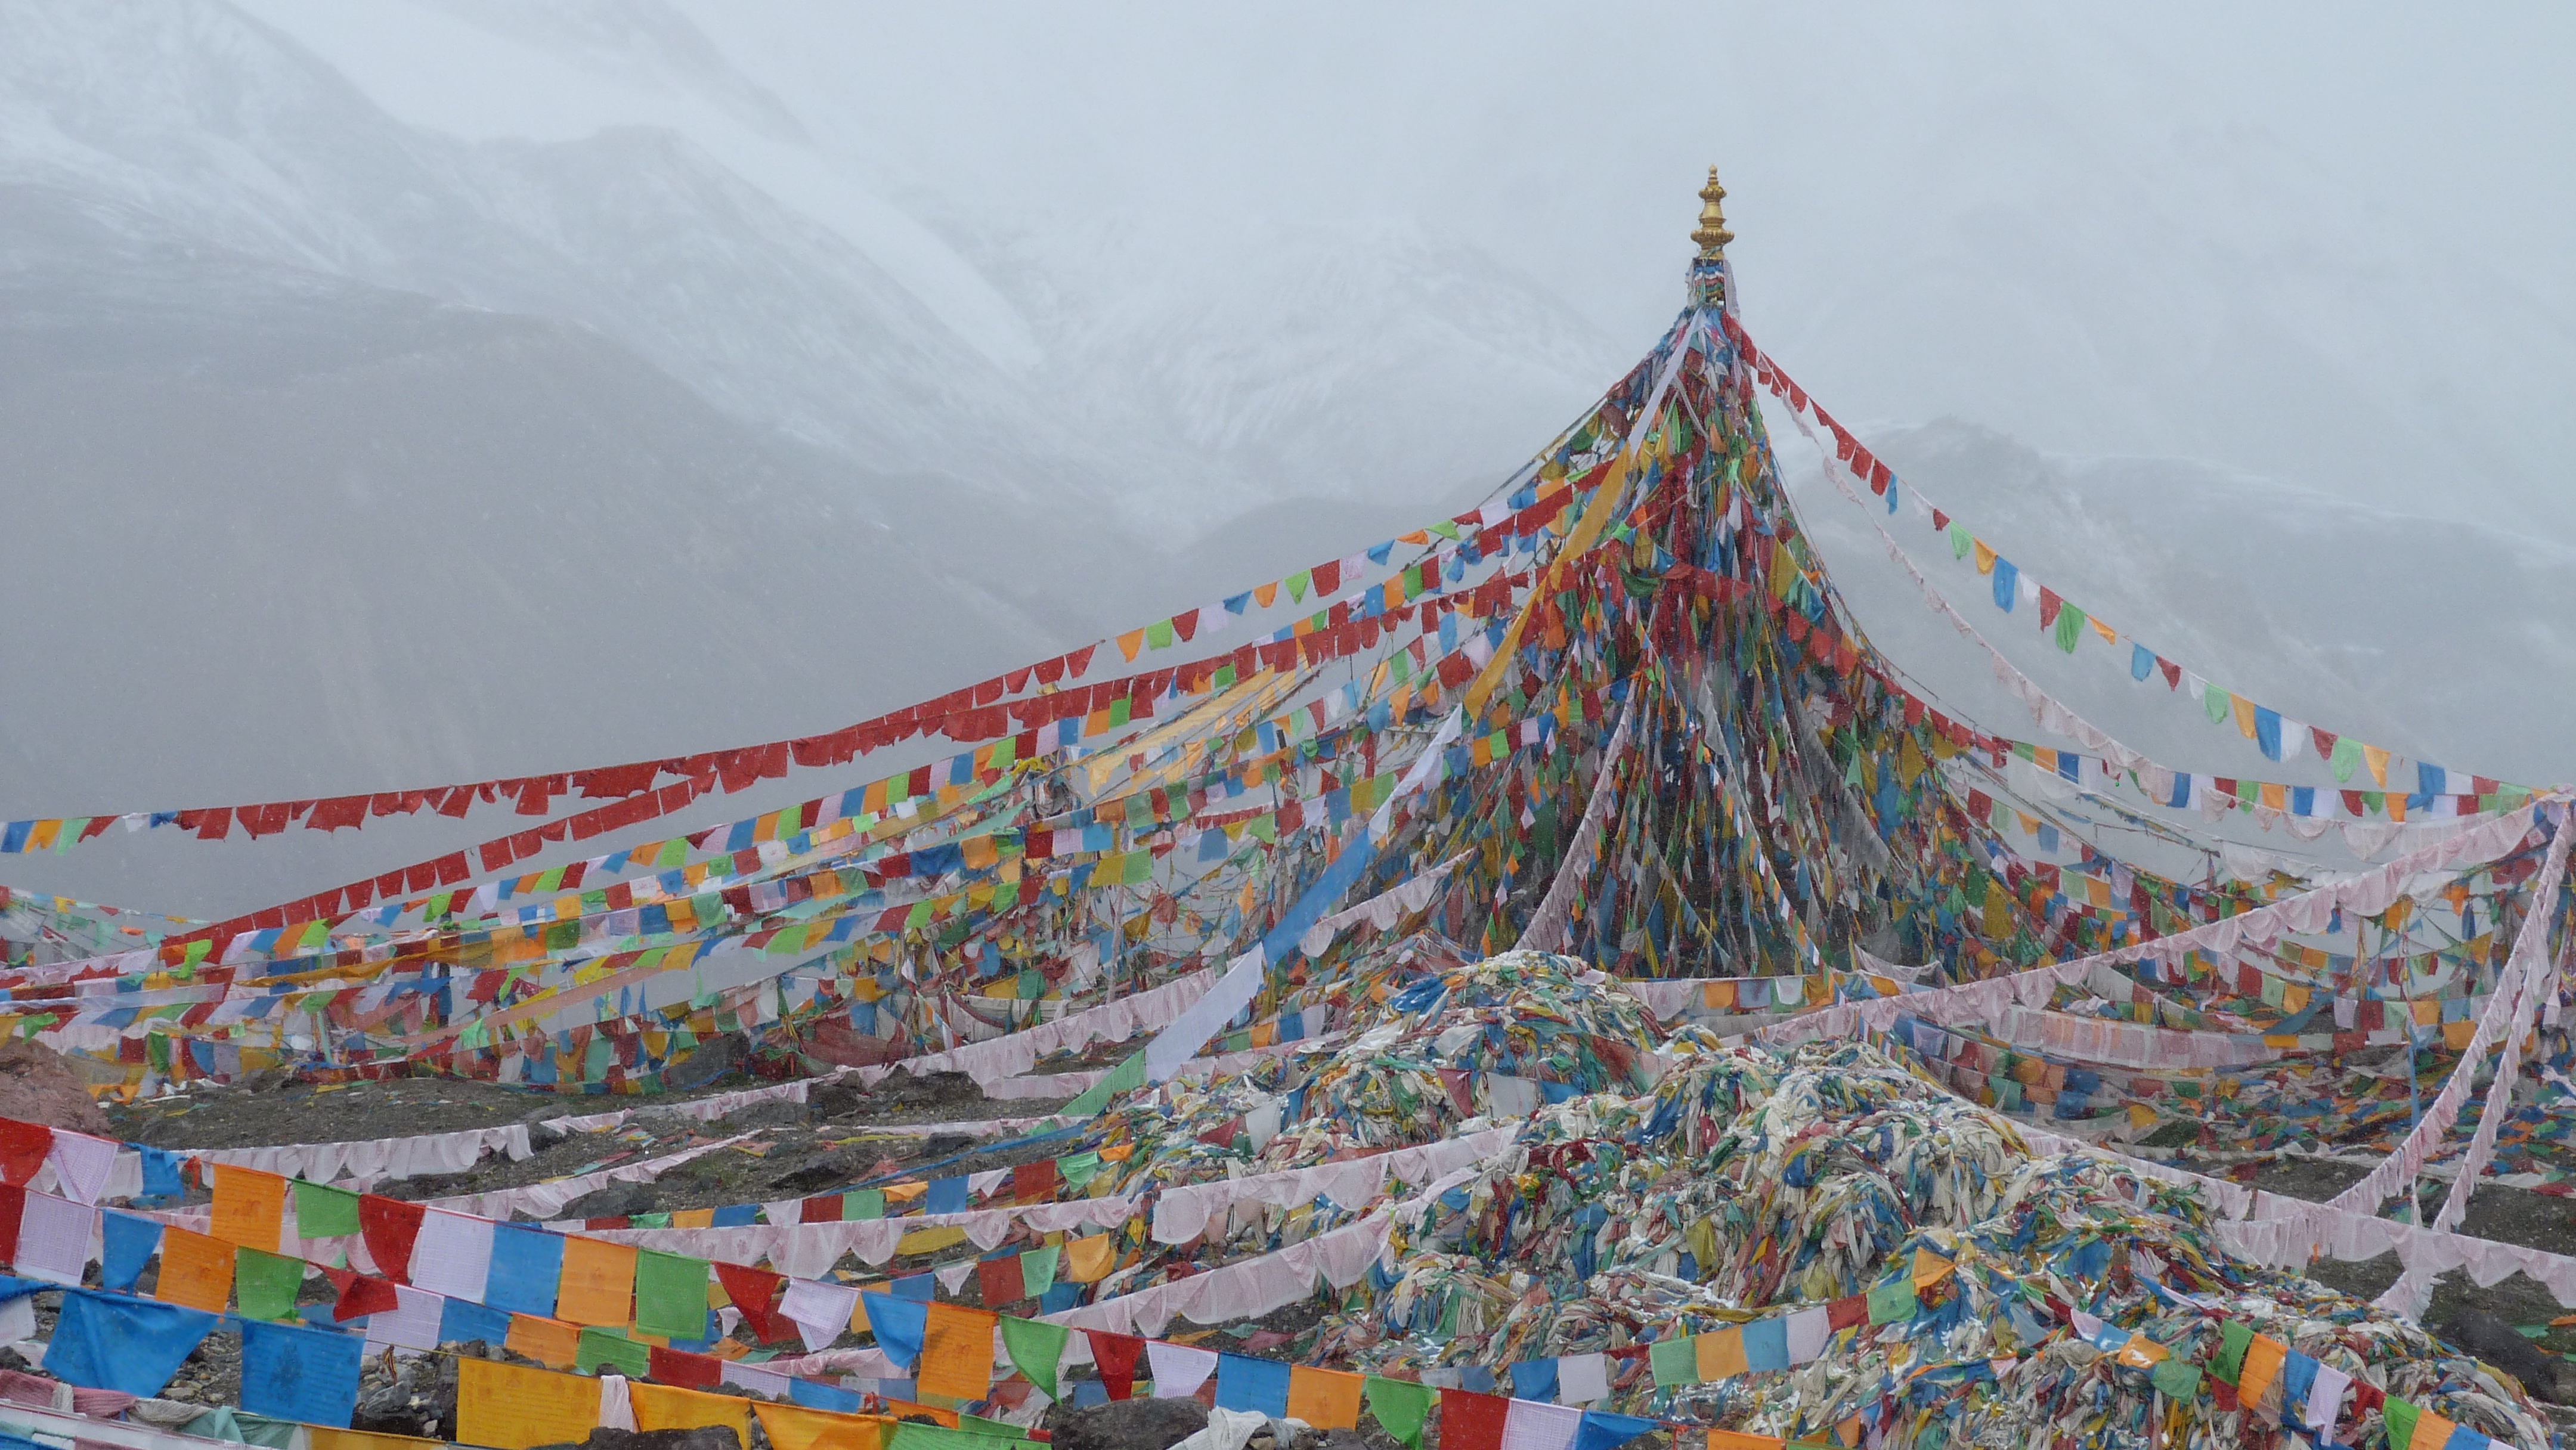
1036 1349
1468 1420
324 1212
665 1407
793 1427
512 1407
526 1265
1400 1406
289 1372
266 1283
900 1326
1113 1357
196 1271
452 1254
1327 1399
671 1295
250 1207
956 1352
110 1342
598 1283
1245 1383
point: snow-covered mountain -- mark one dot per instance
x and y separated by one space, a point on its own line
405 390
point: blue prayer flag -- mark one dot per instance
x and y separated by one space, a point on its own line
2007 580
1534 1379
1245 1383
527 1263
899 1325
300 1374
1601 1430
128 1242
815 1395
2142 661
946 1195
110 1342
460 1320
1766 1343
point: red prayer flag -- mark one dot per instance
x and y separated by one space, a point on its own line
1001 1282
1033 1182
688 1371
360 1294
1114 1356
1844 1313
1470 1421
23 1147
753 1291
390 1225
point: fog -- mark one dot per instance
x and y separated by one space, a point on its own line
420 390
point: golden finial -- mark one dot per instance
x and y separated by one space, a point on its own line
1712 234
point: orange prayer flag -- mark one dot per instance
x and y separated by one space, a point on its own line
598 1284
547 1341
1087 1260
250 1207
1327 1399
1720 1353
957 1353
2263 1360
902 1410
793 1427
1739 1440
513 1407
667 1407
196 1271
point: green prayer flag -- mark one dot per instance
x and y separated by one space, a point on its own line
2346 758
1961 541
266 1284
915 1435
1129 1074
632 1358
1076 1170
670 1294
2217 702
2400 1418
1034 1346
1675 1361
2178 1378
2233 1340
863 1203
989 1429
323 1212
1400 1407
1158 635
1037 1274
1297 583
2070 627
1138 870
1892 1302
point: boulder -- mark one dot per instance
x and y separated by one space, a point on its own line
705 1437
712 1059
2498 1343
1129 1425
617 1200
37 1086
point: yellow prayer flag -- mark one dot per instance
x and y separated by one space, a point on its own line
324 1437
793 1427
1929 1269
513 1407
2243 709
2142 1353
1327 1399
250 1207
547 1341
1742 1440
665 1407
1087 1259
957 1353
1720 1353
2263 1359
1985 556
196 1271
598 1284
2377 759
2432 1432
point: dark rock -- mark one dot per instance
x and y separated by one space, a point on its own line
839 1099
1130 1425
945 1145
930 1090
714 1057
837 1169
2491 1339
617 1200
775 1114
